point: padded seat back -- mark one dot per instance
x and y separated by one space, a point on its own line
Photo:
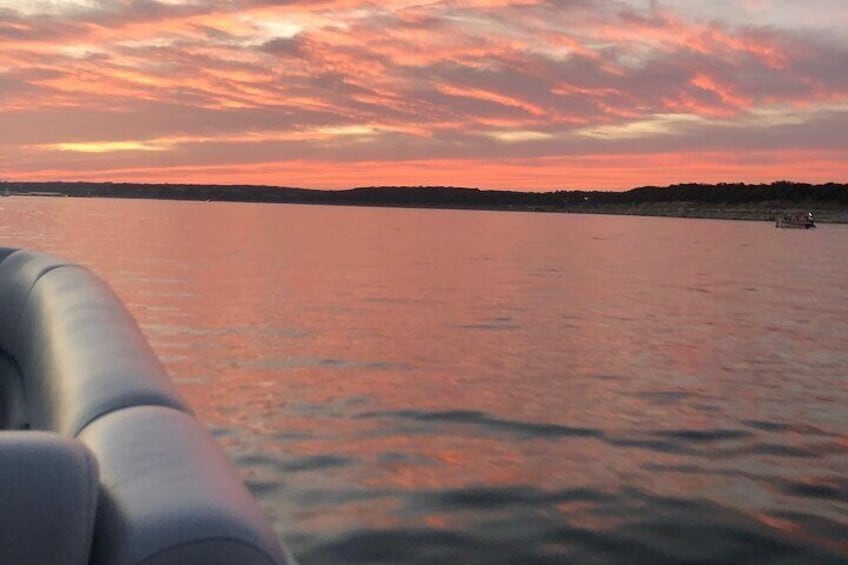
48 499
76 363
83 355
170 497
19 270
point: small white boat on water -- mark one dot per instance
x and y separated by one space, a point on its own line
796 221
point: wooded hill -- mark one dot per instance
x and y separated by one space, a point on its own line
781 194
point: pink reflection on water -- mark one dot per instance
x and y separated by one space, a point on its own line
389 352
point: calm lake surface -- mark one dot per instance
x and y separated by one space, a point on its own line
424 386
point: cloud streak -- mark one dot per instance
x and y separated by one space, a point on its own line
534 94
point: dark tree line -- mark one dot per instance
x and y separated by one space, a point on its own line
740 193
446 196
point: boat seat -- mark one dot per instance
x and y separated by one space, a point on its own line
73 362
11 395
19 271
48 499
169 496
83 355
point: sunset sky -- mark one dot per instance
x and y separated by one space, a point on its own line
522 94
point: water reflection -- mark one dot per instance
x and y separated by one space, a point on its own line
431 386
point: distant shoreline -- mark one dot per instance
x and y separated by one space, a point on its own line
768 212
829 202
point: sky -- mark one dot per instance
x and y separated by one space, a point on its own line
502 94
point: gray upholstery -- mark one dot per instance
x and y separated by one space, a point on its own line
83 354
48 499
6 251
168 492
73 361
18 273
11 395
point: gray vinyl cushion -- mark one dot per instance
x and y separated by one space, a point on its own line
48 498
73 361
170 497
11 395
5 252
19 271
83 355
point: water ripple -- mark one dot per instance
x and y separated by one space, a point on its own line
309 463
703 436
483 420
657 530
490 498
829 488
779 427
393 546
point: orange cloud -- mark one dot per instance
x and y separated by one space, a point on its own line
488 89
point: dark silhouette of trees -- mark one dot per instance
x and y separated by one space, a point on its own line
730 194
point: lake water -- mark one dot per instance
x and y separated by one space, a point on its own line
425 386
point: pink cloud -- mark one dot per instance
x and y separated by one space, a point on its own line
269 86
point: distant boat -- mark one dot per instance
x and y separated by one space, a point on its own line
796 221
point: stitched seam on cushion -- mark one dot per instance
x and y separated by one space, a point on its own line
150 404
14 250
94 484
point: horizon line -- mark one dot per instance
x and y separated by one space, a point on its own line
421 186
